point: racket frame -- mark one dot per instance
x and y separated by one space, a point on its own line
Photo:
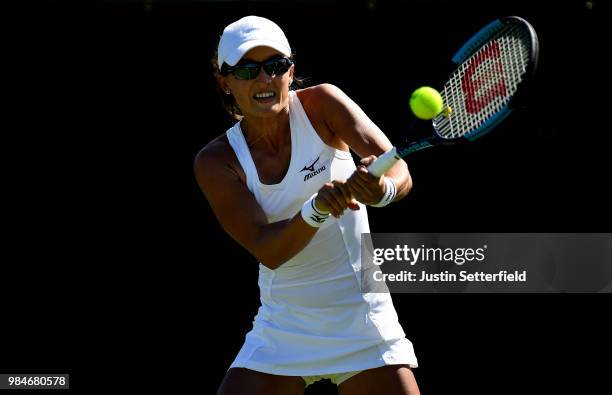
386 160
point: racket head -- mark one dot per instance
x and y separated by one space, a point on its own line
493 69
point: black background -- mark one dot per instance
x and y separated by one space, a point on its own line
115 270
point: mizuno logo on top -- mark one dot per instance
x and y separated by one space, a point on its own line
311 169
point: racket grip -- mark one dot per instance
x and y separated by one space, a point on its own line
384 162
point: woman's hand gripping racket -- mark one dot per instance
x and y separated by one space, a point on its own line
493 67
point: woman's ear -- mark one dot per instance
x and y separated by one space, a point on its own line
223 84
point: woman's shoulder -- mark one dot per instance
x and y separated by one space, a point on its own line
317 92
217 155
323 99
216 148
322 104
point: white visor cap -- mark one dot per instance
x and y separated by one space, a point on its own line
240 37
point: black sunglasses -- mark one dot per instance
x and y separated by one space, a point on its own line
249 70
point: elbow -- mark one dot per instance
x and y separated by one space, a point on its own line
270 261
267 260
272 265
269 257
273 258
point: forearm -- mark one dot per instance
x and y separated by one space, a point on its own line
280 241
402 179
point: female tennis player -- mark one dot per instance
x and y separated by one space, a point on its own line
283 184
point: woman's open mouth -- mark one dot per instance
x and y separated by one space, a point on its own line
265 97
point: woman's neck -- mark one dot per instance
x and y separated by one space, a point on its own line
268 133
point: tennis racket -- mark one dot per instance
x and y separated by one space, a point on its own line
493 68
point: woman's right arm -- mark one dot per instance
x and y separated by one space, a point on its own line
243 218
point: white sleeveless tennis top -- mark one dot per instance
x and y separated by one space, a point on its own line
313 317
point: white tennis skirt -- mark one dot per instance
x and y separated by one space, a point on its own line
314 320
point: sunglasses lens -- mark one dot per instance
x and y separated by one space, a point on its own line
276 66
246 72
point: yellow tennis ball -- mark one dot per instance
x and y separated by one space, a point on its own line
426 102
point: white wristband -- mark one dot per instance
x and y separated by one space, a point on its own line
311 215
390 192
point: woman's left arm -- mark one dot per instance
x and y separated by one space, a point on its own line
348 122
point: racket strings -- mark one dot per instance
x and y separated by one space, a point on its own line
483 84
